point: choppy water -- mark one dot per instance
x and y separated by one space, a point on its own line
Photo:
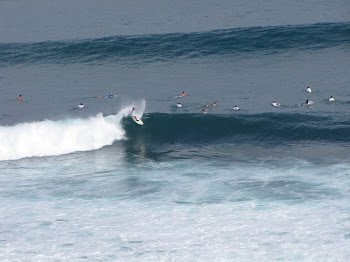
260 184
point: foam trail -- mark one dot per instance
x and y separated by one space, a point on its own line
47 138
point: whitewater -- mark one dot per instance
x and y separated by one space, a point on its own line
55 138
49 138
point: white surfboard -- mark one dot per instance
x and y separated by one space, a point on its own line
137 121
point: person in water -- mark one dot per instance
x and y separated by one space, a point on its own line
236 108
183 94
111 95
80 106
213 105
179 105
308 89
308 102
274 103
20 98
203 111
331 99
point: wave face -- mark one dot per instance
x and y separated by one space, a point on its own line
240 138
170 47
265 128
47 138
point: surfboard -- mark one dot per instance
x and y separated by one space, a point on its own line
137 121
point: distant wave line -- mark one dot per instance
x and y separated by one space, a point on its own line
175 46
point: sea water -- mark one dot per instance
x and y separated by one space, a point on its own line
259 184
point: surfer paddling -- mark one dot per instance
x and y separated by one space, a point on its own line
110 95
275 104
308 102
183 94
213 105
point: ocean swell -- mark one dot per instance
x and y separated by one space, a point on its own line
171 47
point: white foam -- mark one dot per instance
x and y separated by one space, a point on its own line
47 138
182 210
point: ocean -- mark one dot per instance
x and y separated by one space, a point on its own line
260 184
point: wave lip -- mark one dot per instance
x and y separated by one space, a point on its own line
169 47
48 138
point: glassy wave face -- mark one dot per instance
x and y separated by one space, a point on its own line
239 138
285 128
171 47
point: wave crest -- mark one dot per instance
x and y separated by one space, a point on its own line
47 138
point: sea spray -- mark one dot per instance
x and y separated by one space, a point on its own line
139 106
